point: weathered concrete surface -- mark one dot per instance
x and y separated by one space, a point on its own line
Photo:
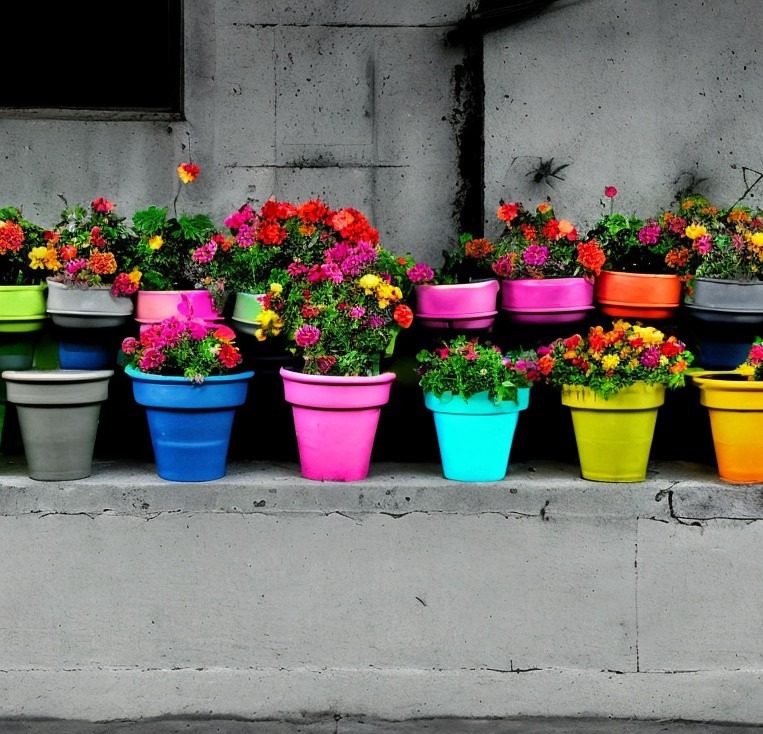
645 95
263 594
359 725
353 102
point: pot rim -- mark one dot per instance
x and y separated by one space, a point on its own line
296 376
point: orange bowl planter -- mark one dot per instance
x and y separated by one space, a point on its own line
637 295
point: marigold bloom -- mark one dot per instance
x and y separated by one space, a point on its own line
156 242
478 248
550 229
610 361
187 172
369 282
102 263
591 256
11 237
544 207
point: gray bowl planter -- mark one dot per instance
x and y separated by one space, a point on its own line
717 300
93 307
58 412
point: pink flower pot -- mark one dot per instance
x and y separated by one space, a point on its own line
547 301
458 305
335 419
153 306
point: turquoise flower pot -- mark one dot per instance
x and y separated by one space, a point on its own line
190 424
475 434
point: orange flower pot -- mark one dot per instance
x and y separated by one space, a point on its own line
735 409
637 295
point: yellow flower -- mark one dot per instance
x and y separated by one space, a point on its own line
746 369
695 231
43 257
276 289
649 334
610 361
756 240
135 276
387 293
270 324
369 283
155 242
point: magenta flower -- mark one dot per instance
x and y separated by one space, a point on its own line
649 234
75 266
358 312
296 270
650 357
376 320
503 267
307 336
535 255
420 273
332 272
704 244
152 358
205 253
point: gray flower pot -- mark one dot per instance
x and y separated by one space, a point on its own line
58 412
717 300
93 307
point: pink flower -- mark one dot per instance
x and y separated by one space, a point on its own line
205 253
307 335
535 255
420 273
610 192
102 206
358 312
704 244
503 267
650 357
649 233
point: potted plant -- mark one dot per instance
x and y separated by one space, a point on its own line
91 292
177 255
547 274
645 264
614 381
734 402
339 303
460 295
186 372
26 258
724 295
475 393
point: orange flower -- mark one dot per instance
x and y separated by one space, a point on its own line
507 212
591 256
738 215
188 172
544 207
102 263
567 229
478 248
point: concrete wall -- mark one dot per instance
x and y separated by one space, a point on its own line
265 595
639 94
352 101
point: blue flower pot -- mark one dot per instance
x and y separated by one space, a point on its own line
475 434
190 424
84 355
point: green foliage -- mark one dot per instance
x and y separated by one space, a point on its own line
164 249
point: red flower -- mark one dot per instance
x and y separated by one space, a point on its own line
229 356
188 172
507 212
403 315
610 192
102 206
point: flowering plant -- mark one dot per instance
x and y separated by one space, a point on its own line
329 286
183 346
634 245
752 367
26 252
532 245
466 367
720 243
87 242
607 361
174 253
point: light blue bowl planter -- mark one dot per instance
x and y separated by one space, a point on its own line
475 434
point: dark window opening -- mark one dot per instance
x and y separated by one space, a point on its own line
91 56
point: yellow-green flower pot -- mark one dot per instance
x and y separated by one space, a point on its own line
614 435
22 308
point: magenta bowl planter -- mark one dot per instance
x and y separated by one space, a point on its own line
154 306
547 301
458 305
335 419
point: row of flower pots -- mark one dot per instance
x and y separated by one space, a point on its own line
336 417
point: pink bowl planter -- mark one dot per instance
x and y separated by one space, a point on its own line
547 301
335 419
153 306
458 306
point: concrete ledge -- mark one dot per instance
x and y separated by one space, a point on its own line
265 595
